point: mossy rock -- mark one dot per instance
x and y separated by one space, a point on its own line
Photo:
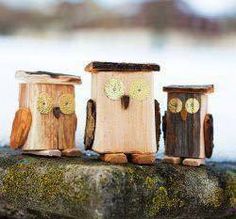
88 188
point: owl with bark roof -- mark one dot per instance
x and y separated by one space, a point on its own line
123 118
45 123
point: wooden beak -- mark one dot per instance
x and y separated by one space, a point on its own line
184 114
125 99
57 112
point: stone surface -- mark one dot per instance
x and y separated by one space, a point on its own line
32 187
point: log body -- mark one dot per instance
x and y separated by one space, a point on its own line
185 138
47 131
120 130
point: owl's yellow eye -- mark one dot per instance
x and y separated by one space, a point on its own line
44 103
67 104
114 89
175 105
139 89
192 105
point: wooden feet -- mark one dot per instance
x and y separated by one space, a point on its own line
193 162
114 158
143 158
172 160
47 153
72 152
186 161
121 158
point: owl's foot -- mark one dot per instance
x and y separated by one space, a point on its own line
193 162
71 152
114 158
143 158
48 153
172 160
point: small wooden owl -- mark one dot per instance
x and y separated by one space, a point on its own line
187 126
123 118
45 123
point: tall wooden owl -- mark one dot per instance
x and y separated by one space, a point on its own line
187 126
123 119
45 123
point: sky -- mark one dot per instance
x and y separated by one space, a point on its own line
203 7
213 7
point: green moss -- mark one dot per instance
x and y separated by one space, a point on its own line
24 181
163 202
151 189
160 201
231 188
44 186
151 182
205 188
88 188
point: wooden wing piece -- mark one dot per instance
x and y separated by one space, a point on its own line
158 122
90 125
164 122
208 135
20 128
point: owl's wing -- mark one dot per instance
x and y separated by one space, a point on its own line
76 122
208 135
164 122
20 128
90 125
158 122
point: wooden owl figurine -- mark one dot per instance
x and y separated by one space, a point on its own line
45 123
123 119
187 126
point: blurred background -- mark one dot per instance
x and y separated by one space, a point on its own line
194 41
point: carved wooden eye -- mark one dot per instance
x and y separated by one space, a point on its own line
192 105
114 89
175 105
44 103
139 89
67 104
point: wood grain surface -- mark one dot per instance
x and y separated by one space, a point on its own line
209 135
48 132
20 128
90 125
119 130
158 122
47 78
185 138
